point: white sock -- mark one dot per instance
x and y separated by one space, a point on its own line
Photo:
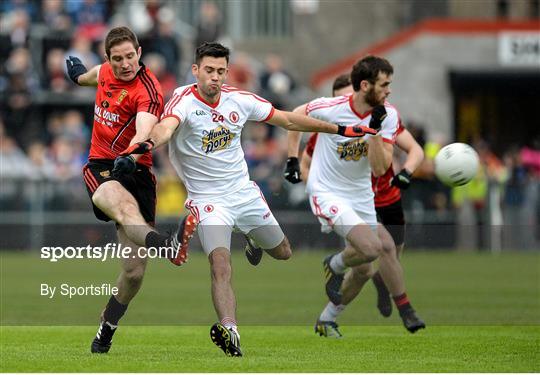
337 263
229 323
331 312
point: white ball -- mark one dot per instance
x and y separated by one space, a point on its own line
456 164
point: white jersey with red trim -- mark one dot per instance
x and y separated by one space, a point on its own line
340 165
205 149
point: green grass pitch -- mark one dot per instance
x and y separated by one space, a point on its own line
482 312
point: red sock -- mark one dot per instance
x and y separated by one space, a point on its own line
402 302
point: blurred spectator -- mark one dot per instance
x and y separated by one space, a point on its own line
54 16
68 161
16 24
89 17
156 63
41 166
20 63
275 82
209 26
241 73
165 42
142 16
14 162
81 47
55 77
514 199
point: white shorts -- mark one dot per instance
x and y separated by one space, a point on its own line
243 211
341 214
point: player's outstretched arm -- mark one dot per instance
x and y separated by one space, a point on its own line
415 154
293 137
79 74
303 123
156 135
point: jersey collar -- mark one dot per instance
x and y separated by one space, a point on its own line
198 96
360 115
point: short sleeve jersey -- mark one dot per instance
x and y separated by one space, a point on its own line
206 150
340 165
115 110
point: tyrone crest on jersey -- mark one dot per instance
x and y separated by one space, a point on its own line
352 150
216 139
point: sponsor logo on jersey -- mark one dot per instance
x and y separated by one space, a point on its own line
105 174
122 95
200 112
352 150
334 210
234 117
216 139
105 117
208 208
105 104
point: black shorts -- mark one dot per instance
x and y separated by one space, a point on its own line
392 218
141 184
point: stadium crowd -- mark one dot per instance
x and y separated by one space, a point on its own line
45 120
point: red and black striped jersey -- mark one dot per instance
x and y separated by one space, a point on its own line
116 107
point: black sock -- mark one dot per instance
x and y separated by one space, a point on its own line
155 240
114 311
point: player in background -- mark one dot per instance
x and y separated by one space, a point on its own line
122 187
338 165
202 123
389 211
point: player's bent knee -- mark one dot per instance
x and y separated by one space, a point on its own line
282 251
371 250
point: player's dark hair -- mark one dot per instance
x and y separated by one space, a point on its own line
368 68
211 49
341 82
119 35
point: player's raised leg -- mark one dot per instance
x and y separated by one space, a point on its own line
272 240
119 205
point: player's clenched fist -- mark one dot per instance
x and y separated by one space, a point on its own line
124 166
378 114
138 148
355 131
292 171
75 68
402 180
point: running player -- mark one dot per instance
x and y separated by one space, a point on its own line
390 212
348 211
122 187
203 122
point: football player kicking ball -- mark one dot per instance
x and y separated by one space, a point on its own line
390 212
341 194
122 187
203 123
